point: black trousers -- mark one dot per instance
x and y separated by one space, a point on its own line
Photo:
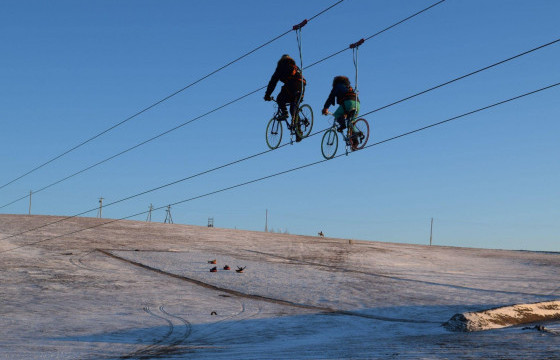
289 96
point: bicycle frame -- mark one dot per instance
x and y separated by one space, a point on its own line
349 123
277 115
300 125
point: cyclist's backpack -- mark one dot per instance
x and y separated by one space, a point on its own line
296 75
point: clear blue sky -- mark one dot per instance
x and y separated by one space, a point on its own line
71 69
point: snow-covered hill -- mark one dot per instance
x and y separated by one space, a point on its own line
144 290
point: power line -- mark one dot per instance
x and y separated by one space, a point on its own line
209 112
286 171
162 100
248 94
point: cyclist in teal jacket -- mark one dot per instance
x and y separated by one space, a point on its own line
343 95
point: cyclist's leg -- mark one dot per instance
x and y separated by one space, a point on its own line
295 100
352 106
294 103
339 116
282 99
295 96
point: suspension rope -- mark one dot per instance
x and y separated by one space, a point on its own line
355 46
285 171
297 29
160 101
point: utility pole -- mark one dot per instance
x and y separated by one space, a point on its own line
168 218
30 192
149 218
99 215
266 221
431 230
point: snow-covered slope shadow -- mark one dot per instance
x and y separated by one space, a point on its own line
326 336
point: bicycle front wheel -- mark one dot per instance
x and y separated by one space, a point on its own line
360 138
274 133
304 121
329 144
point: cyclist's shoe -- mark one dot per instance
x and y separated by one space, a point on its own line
283 115
359 137
341 125
291 126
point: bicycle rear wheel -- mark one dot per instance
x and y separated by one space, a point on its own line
273 133
304 120
329 144
360 138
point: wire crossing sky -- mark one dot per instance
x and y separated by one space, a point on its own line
162 100
191 120
283 145
269 176
71 69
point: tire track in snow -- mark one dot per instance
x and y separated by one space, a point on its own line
146 350
188 326
168 344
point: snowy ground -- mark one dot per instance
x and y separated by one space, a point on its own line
133 290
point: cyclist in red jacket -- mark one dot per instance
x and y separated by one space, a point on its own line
291 93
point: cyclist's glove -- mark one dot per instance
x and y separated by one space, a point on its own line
267 98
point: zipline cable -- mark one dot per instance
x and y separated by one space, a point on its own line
133 147
289 170
462 115
382 31
161 101
231 102
403 20
153 189
466 75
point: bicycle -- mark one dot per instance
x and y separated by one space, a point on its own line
301 125
354 140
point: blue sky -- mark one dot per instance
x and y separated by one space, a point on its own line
70 70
